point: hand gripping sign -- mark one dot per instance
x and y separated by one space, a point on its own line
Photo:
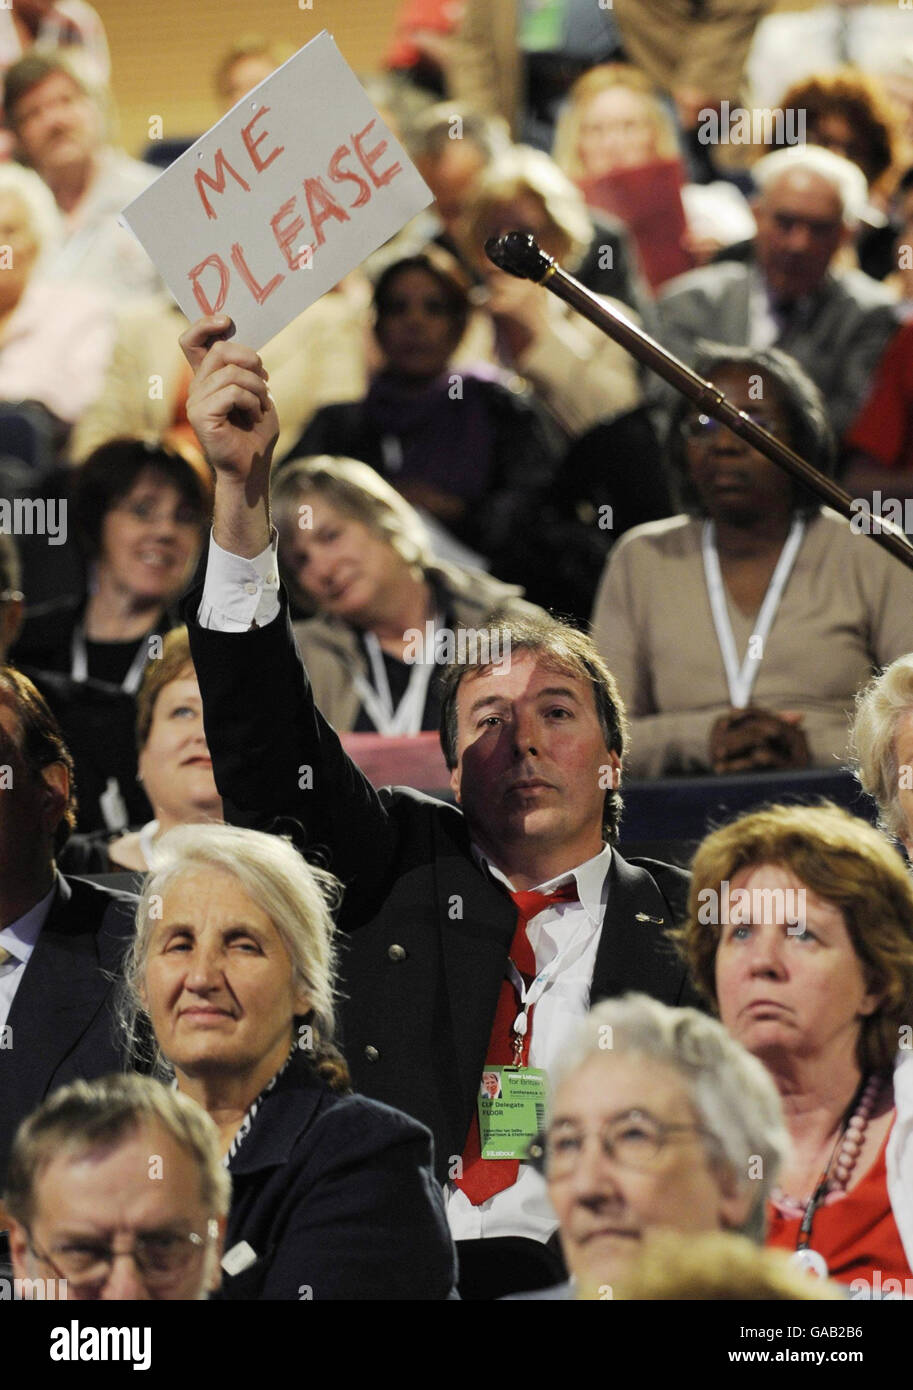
280 199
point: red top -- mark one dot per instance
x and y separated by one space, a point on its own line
884 426
856 1235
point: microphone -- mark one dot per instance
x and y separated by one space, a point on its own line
518 254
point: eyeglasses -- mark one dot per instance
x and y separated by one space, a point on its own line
160 1256
705 426
635 1139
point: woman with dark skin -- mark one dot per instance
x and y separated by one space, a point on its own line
456 444
740 631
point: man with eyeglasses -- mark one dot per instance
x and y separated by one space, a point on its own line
658 1120
117 1191
793 293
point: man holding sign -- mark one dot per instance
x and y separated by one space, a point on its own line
477 938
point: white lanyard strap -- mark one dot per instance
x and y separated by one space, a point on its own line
532 993
377 699
741 679
79 661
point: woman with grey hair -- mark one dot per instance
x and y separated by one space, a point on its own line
354 549
658 1120
232 968
881 742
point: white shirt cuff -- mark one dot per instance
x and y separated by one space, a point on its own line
240 594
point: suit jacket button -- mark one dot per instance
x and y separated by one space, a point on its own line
396 952
371 1053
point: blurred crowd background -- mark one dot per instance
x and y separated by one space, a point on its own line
736 177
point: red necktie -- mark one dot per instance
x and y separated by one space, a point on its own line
483 1177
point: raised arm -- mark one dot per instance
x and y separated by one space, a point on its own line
275 758
232 411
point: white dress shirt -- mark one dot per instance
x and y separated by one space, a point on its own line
524 1208
19 939
237 593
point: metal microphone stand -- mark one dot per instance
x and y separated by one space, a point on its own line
518 254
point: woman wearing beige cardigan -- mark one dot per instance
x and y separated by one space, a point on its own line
739 634
387 613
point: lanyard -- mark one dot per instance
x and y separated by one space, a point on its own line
532 993
378 701
741 679
79 661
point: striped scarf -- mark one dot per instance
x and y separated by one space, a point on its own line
245 1126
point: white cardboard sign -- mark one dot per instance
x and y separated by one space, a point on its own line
285 195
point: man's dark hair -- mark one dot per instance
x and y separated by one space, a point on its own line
109 474
564 648
27 73
810 432
41 742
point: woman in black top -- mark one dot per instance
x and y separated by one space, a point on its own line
139 511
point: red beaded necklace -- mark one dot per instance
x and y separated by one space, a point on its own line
843 1160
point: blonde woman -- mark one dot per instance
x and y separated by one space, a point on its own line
614 123
882 744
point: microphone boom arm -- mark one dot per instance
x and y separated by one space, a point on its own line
518 254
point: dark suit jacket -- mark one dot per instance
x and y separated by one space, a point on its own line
61 1024
838 337
336 1195
429 932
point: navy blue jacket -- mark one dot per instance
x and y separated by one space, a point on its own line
337 1197
61 1024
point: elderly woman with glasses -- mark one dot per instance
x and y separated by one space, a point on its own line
740 630
232 968
800 933
657 1120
